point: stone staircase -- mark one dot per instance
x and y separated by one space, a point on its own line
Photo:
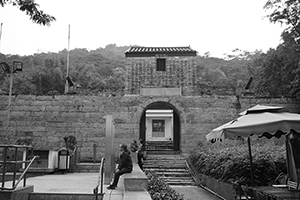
168 164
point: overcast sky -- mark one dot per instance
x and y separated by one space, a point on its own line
217 26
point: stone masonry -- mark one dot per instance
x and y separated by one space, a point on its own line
180 73
47 119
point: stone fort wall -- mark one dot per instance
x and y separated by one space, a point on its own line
47 119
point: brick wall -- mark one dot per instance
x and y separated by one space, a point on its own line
48 119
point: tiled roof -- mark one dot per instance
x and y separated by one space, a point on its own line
153 51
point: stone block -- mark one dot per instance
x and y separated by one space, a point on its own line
137 195
20 193
136 180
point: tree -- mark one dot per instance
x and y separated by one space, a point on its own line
31 8
285 12
281 66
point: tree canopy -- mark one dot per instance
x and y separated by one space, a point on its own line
285 12
32 10
279 69
102 71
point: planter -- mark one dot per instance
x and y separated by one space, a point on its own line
222 189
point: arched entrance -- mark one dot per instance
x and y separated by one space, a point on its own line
160 114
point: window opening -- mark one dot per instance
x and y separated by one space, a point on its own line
160 64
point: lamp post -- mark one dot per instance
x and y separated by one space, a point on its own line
17 66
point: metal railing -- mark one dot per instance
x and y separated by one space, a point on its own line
9 157
24 173
100 180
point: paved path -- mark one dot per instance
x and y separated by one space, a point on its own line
195 193
84 183
65 183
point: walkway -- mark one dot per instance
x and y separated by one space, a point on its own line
84 183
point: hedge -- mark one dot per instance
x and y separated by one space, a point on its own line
229 162
159 189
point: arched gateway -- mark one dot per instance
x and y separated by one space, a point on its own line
160 72
160 121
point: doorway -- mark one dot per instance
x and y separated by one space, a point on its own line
160 122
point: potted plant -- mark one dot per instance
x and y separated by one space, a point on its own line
70 146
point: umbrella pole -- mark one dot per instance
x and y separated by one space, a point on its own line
250 156
287 155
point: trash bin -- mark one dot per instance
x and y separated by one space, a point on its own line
63 159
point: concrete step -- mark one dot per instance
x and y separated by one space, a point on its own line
62 196
157 161
171 168
179 182
162 152
173 174
158 170
183 179
170 162
160 145
165 157
165 166
87 167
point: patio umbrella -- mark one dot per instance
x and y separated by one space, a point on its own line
266 122
261 108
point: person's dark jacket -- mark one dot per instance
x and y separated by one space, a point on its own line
125 161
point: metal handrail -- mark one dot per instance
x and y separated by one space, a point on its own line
5 162
100 179
24 172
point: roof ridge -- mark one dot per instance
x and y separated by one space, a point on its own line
160 47
151 51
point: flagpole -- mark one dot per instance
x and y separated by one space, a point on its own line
0 33
68 63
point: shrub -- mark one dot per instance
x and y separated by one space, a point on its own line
159 189
230 163
134 146
70 142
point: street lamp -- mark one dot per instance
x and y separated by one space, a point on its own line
17 66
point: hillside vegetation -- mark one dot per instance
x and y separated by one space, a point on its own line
102 72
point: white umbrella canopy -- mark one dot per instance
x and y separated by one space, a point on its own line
258 120
262 124
261 108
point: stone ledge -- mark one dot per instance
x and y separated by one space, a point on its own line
20 193
136 195
136 180
136 184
